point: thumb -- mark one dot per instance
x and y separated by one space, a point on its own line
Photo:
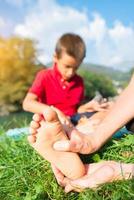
77 185
63 145
68 145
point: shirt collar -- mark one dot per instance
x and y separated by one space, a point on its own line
58 75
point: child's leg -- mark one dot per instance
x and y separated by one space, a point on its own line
49 132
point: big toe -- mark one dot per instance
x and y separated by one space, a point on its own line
50 115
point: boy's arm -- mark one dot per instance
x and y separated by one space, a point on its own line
31 104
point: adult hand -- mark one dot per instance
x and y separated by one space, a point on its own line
96 106
96 174
92 106
78 142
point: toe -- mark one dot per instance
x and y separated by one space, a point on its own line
34 125
31 139
50 115
37 117
32 130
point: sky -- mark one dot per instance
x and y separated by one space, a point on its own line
107 27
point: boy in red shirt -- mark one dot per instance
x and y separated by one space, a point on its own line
60 86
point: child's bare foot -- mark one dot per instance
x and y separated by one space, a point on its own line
45 136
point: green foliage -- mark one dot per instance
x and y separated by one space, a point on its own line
114 74
129 75
17 69
97 82
15 120
131 71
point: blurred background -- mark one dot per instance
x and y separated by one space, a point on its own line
29 30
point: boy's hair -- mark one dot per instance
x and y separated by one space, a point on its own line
72 44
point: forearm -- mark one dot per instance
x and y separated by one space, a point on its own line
35 107
118 116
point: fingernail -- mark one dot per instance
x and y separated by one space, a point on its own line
60 145
57 146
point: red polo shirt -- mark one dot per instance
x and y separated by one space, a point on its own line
51 89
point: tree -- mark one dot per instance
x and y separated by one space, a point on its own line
17 69
97 82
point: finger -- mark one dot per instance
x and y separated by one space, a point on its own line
37 117
62 145
58 175
101 109
77 185
68 146
104 105
69 188
34 124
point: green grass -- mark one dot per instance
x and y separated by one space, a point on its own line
24 175
19 119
